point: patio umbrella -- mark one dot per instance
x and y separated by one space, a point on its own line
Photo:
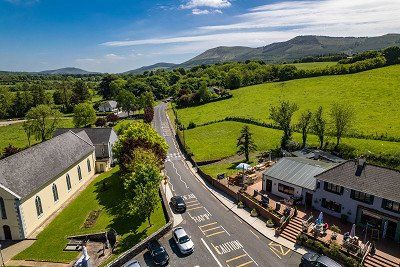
353 231
320 219
243 166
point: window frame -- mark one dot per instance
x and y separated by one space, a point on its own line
330 205
385 203
89 166
68 181
362 197
56 197
39 206
286 189
79 173
333 188
3 209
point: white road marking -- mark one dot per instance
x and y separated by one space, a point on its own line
212 254
250 257
254 234
239 220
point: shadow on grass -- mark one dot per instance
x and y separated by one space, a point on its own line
110 194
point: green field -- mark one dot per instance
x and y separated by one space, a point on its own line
52 240
15 135
373 94
313 65
218 140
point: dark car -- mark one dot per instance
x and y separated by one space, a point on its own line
311 259
158 253
178 203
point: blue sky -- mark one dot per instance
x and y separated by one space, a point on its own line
119 35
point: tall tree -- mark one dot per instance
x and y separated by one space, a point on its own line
392 55
148 105
245 142
81 92
6 100
342 117
282 116
127 101
42 120
104 87
304 125
233 79
318 125
116 86
84 115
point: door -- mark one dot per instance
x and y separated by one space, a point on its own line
268 185
7 232
391 229
309 199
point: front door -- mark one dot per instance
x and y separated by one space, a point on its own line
268 185
7 232
309 199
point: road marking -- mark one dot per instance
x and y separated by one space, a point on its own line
195 208
278 248
211 229
244 264
191 201
227 247
212 254
254 234
275 252
192 205
250 257
200 226
217 233
236 258
226 231
237 219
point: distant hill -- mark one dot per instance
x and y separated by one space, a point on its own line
71 71
296 48
156 66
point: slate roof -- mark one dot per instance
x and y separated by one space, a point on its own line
97 135
27 171
298 171
371 179
109 104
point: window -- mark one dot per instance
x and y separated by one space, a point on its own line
55 193
89 168
79 173
68 179
331 205
39 209
363 197
391 205
285 189
3 209
336 189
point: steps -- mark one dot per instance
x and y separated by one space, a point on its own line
380 261
292 229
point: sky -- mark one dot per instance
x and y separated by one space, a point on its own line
119 35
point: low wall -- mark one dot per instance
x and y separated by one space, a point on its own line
253 204
132 252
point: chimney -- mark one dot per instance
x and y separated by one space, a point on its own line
361 162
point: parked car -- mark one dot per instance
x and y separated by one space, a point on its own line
311 259
182 240
158 253
178 203
132 263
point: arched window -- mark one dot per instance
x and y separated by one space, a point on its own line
38 203
89 168
55 193
79 173
68 182
3 209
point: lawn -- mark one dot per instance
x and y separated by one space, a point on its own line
218 140
52 240
313 65
374 95
14 134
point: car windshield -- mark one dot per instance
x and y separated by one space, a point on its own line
179 200
158 251
184 239
314 257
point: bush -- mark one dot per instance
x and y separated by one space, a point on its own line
254 213
335 229
112 117
191 125
100 122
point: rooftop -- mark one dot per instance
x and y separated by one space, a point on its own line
25 172
96 135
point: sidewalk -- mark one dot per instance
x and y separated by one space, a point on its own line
254 222
168 194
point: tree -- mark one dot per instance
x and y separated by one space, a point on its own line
42 121
204 94
148 105
127 101
112 117
318 125
116 86
81 92
84 115
282 116
245 143
29 130
139 135
392 55
100 122
6 101
233 79
63 96
148 114
104 87
342 117
304 126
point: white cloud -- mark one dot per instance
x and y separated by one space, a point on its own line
191 4
197 11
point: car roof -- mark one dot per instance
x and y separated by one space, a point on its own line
180 232
132 262
328 261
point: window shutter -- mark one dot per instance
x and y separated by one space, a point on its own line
352 194
341 190
325 185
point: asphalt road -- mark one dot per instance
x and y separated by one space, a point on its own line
220 237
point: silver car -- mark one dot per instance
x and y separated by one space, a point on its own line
132 263
182 240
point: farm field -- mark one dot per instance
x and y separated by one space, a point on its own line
313 65
373 94
218 140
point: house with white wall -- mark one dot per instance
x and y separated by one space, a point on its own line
35 182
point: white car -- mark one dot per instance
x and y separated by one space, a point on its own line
132 263
182 240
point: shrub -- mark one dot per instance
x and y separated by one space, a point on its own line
254 213
191 125
335 229
112 117
100 122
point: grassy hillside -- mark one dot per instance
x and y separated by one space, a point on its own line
218 140
374 95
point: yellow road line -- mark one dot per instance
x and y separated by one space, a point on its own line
195 208
244 264
236 258
211 229
207 224
217 233
275 252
